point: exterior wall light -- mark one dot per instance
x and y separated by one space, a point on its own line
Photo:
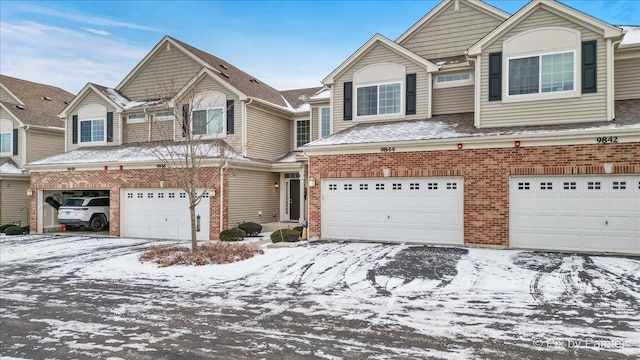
312 182
276 185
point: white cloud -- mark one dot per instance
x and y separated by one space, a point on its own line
64 57
86 18
97 32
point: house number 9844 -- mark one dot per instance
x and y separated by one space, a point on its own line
387 149
607 140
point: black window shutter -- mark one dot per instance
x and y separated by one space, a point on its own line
185 120
110 126
411 94
589 67
74 126
495 76
15 141
230 117
348 101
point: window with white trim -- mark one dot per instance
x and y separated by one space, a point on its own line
164 115
136 118
452 80
5 142
325 121
208 122
303 132
380 99
92 130
546 73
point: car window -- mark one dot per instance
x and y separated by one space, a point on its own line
73 202
99 202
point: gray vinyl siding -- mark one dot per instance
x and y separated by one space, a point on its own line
451 33
92 98
380 54
163 75
627 79
251 192
209 84
14 202
586 108
268 135
453 100
43 144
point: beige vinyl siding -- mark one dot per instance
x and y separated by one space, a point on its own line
268 135
627 79
315 123
14 202
42 144
209 84
451 33
163 75
251 192
587 107
453 100
6 97
92 98
137 132
380 54
162 130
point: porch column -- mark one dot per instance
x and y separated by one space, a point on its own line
303 208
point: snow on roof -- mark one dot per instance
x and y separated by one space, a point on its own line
127 104
631 35
432 129
137 152
323 94
10 167
289 157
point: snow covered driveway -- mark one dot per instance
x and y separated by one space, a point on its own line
81 297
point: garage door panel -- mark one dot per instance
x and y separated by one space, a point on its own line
394 209
161 214
580 213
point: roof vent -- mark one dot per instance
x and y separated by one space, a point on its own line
224 67
21 107
46 98
255 80
224 74
66 102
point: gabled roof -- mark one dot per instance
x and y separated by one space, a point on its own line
38 104
484 7
9 167
607 30
98 89
198 77
379 39
298 97
247 84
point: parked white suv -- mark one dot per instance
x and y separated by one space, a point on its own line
92 212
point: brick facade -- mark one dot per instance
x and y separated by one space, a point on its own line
486 175
114 180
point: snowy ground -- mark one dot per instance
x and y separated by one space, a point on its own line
81 297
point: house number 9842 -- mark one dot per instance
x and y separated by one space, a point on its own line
607 140
387 149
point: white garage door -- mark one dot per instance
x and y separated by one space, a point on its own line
576 213
161 214
428 210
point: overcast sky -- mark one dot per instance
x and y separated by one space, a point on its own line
287 44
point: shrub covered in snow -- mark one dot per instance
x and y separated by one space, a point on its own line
5 226
251 228
234 234
286 235
213 253
16 230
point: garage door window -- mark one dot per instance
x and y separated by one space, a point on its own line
160 195
619 185
172 195
364 186
348 187
414 186
523 186
570 185
593 185
432 186
129 195
140 196
379 186
333 187
546 186
397 186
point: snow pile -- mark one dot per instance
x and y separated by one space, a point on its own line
631 35
10 168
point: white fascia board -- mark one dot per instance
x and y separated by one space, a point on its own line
82 94
11 94
377 38
15 176
199 77
45 128
139 165
608 31
570 137
20 123
272 108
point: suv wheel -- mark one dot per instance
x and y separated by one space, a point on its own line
98 223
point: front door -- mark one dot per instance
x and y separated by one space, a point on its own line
294 199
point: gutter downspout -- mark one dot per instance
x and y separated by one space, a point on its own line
611 98
24 145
